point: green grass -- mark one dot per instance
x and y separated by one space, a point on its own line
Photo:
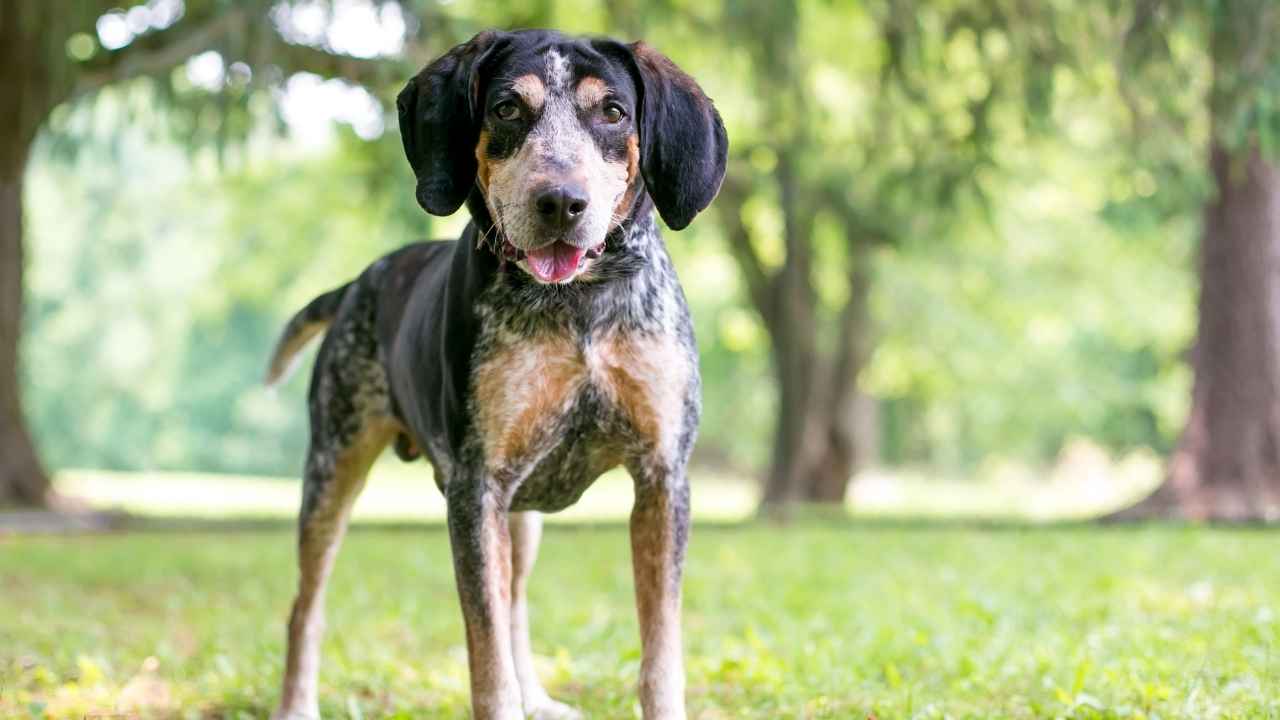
812 621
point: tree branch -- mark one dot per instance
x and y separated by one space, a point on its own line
292 58
159 51
835 196
853 348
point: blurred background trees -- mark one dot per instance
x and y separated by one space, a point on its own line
953 236
59 54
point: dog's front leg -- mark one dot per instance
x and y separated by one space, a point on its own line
659 533
482 564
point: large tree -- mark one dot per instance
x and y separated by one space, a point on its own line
58 52
1227 463
865 141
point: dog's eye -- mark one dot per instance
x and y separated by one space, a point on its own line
613 113
507 110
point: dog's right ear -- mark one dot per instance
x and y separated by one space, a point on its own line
683 146
440 123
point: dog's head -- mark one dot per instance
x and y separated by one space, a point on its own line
561 137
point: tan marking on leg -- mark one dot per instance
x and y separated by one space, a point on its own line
495 689
519 389
319 538
530 89
591 91
657 586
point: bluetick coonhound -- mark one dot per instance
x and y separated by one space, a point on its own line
548 344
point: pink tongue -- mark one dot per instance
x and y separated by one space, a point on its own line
554 262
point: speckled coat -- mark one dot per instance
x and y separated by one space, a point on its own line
519 393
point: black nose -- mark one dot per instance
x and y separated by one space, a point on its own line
561 207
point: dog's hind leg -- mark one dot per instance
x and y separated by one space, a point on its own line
526 533
333 480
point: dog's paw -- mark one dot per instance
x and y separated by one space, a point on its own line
548 709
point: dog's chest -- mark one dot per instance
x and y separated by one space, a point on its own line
555 409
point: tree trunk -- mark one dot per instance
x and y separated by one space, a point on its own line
843 415
788 462
1227 464
815 457
25 84
22 479
821 418
793 336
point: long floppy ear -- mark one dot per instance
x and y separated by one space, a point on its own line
440 124
683 145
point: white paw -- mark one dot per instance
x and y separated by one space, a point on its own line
548 709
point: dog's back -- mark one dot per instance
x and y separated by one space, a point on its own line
360 321
389 279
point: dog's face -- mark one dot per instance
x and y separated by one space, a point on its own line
561 138
558 159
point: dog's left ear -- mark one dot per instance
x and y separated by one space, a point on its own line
683 145
440 123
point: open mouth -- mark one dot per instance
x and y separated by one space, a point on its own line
554 262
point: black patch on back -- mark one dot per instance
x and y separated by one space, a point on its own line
430 351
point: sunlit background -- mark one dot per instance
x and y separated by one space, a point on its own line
1018 287
984 277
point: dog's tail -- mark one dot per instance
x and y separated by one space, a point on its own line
310 321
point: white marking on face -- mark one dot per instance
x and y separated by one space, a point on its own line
558 76
559 149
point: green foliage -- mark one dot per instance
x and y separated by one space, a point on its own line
1037 285
1068 314
808 622
161 284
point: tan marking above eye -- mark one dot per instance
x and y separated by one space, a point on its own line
591 90
530 88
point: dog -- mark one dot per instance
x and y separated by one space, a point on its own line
548 344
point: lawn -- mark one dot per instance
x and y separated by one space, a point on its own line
861 619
